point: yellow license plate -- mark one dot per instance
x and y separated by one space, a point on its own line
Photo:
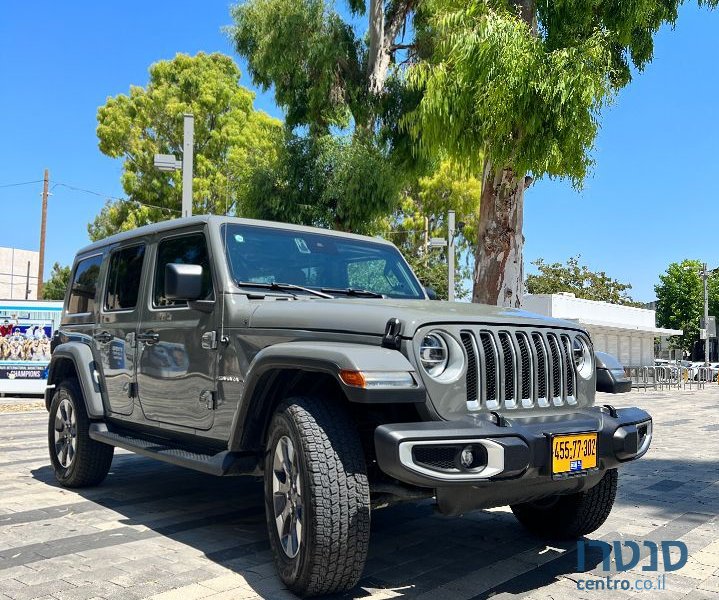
573 453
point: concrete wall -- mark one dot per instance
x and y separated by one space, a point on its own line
631 348
13 273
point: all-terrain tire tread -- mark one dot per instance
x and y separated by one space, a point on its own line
338 480
574 515
93 459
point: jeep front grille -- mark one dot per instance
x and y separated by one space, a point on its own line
512 369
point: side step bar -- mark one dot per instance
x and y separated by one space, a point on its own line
222 463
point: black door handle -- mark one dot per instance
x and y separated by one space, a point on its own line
149 337
103 336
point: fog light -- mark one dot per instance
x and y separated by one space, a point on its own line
467 457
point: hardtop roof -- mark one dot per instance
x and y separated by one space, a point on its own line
173 224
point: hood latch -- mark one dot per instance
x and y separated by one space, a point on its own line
392 337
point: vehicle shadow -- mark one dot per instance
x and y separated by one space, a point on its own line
413 550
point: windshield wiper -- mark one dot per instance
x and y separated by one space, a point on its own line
282 287
353 292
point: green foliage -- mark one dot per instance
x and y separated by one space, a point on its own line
55 287
526 95
431 197
311 58
579 280
329 181
680 299
231 141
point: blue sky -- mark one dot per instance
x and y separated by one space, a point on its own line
652 189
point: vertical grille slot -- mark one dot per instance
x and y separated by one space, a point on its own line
556 363
525 364
510 369
569 368
472 379
542 394
491 377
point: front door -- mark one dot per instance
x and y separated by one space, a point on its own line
175 373
115 331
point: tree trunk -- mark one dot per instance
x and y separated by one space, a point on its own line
499 270
383 31
499 267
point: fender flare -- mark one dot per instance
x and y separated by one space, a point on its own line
87 375
328 358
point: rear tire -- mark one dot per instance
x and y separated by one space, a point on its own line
323 491
78 460
571 516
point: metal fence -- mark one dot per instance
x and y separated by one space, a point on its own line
660 377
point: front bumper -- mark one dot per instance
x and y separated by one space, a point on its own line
508 449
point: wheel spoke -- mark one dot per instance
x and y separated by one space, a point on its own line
63 454
280 503
59 425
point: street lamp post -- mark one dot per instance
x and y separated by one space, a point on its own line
705 277
168 163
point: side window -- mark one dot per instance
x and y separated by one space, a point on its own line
184 250
84 286
123 278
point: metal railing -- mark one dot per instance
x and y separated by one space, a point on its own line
660 377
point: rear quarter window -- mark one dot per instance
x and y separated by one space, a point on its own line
83 289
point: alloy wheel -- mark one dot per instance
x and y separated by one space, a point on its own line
287 496
65 433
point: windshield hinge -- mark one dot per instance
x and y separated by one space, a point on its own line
209 340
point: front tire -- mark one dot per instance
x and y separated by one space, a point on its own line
316 497
571 516
77 459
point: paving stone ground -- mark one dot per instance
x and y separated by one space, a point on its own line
157 531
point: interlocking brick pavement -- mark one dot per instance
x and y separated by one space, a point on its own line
157 531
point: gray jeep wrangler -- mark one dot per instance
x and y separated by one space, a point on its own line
314 359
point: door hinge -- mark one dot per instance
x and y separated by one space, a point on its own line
209 399
132 390
209 340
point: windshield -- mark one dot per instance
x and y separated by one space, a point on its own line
265 255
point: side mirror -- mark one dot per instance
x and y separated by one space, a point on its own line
431 294
183 282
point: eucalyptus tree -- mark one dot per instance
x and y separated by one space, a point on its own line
514 89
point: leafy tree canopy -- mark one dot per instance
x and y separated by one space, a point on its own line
578 279
523 81
430 198
55 287
680 299
341 182
231 140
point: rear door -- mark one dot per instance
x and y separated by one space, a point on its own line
175 373
117 326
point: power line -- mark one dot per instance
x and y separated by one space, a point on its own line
75 188
7 185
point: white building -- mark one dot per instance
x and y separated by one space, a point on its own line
626 332
18 274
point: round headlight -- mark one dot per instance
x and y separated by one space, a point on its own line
433 354
583 358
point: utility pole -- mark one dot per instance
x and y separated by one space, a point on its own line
188 143
426 241
43 224
27 282
705 277
450 255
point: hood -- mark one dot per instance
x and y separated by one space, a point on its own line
369 316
